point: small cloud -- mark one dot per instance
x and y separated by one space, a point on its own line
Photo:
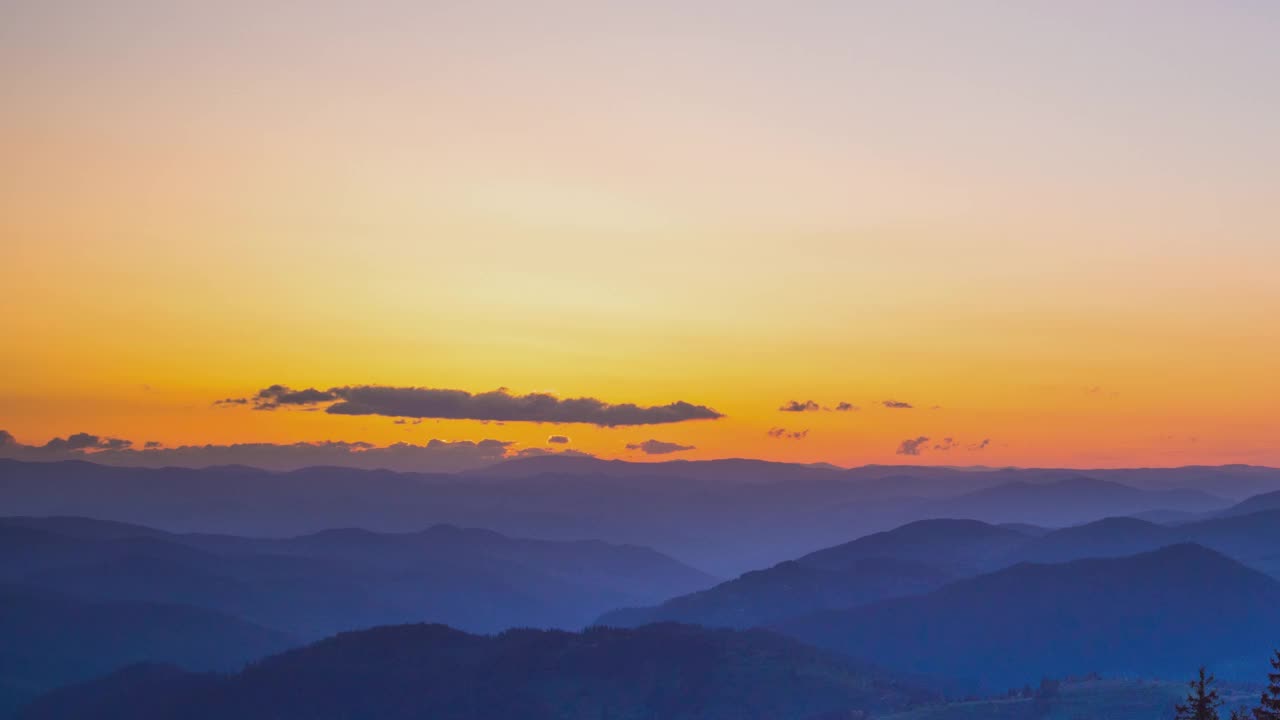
153 444
231 401
796 406
658 447
897 405
980 445
847 407
913 446
945 444
558 440
785 434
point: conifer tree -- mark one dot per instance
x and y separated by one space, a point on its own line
1202 700
1270 707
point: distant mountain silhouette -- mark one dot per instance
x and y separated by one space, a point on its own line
48 639
318 584
1156 614
1251 539
958 546
786 590
922 556
1257 503
1069 501
909 560
1106 538
724 516
660 672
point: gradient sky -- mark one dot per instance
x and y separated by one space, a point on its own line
1053 225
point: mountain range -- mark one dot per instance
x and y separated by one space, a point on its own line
926 555
725 517
662 672
1160 614
315 585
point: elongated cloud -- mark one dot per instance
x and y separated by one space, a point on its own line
558 440
658 447
897 405
498 405
913 446
434 456
847 407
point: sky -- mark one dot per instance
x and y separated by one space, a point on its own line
1051 229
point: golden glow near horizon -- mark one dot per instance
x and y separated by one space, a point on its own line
1056 223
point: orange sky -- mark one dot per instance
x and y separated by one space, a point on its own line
1060 224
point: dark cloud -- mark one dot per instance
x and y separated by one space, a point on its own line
270 398
785 434
498 405
847 407
913 446
658 447
797 406
85 442
945 444
153 444
981 445
558 440
232 401
434 456
7 439
897 404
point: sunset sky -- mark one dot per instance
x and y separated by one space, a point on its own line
1052 226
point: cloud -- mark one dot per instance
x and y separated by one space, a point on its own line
785 434
434 456
797 406
497 405
897 405
153 444
945 444
981 445
558 440
658 447
913 446
232 401
270 398
85 442
847 407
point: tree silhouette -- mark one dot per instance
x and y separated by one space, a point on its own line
1202 700
1270 707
